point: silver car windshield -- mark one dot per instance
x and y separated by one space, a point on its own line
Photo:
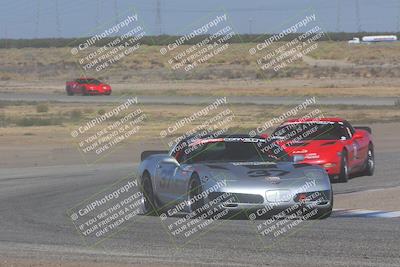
311 131
234 151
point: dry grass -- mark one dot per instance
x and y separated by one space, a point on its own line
334 69
377 87
234 63
160 117
380 53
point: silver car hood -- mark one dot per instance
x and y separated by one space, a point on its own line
260 175
251 170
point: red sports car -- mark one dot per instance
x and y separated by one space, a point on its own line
332 143
87 86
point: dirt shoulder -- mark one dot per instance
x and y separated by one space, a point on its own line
291 87
52 144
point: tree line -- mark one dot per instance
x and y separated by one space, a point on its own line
167 39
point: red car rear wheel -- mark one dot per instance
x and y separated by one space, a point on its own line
344 168
69 92
84 91
370 162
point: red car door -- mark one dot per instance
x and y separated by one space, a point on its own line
361 142
357 146
75 87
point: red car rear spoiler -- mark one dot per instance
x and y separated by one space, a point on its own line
365 128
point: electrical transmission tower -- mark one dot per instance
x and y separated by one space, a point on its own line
338 16
97 13
37 19
358 16
398 18
250 26
158 17
116 15
58 25
5 35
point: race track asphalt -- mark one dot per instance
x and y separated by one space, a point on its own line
34 224
196 100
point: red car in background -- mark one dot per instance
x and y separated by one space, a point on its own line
332 143
87 86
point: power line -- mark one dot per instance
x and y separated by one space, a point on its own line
230 10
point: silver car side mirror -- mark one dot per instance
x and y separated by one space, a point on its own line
298 158
171 161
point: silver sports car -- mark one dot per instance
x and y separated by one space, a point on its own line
235 173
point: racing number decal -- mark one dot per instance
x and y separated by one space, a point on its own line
260 171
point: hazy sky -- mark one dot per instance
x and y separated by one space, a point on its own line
75 18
